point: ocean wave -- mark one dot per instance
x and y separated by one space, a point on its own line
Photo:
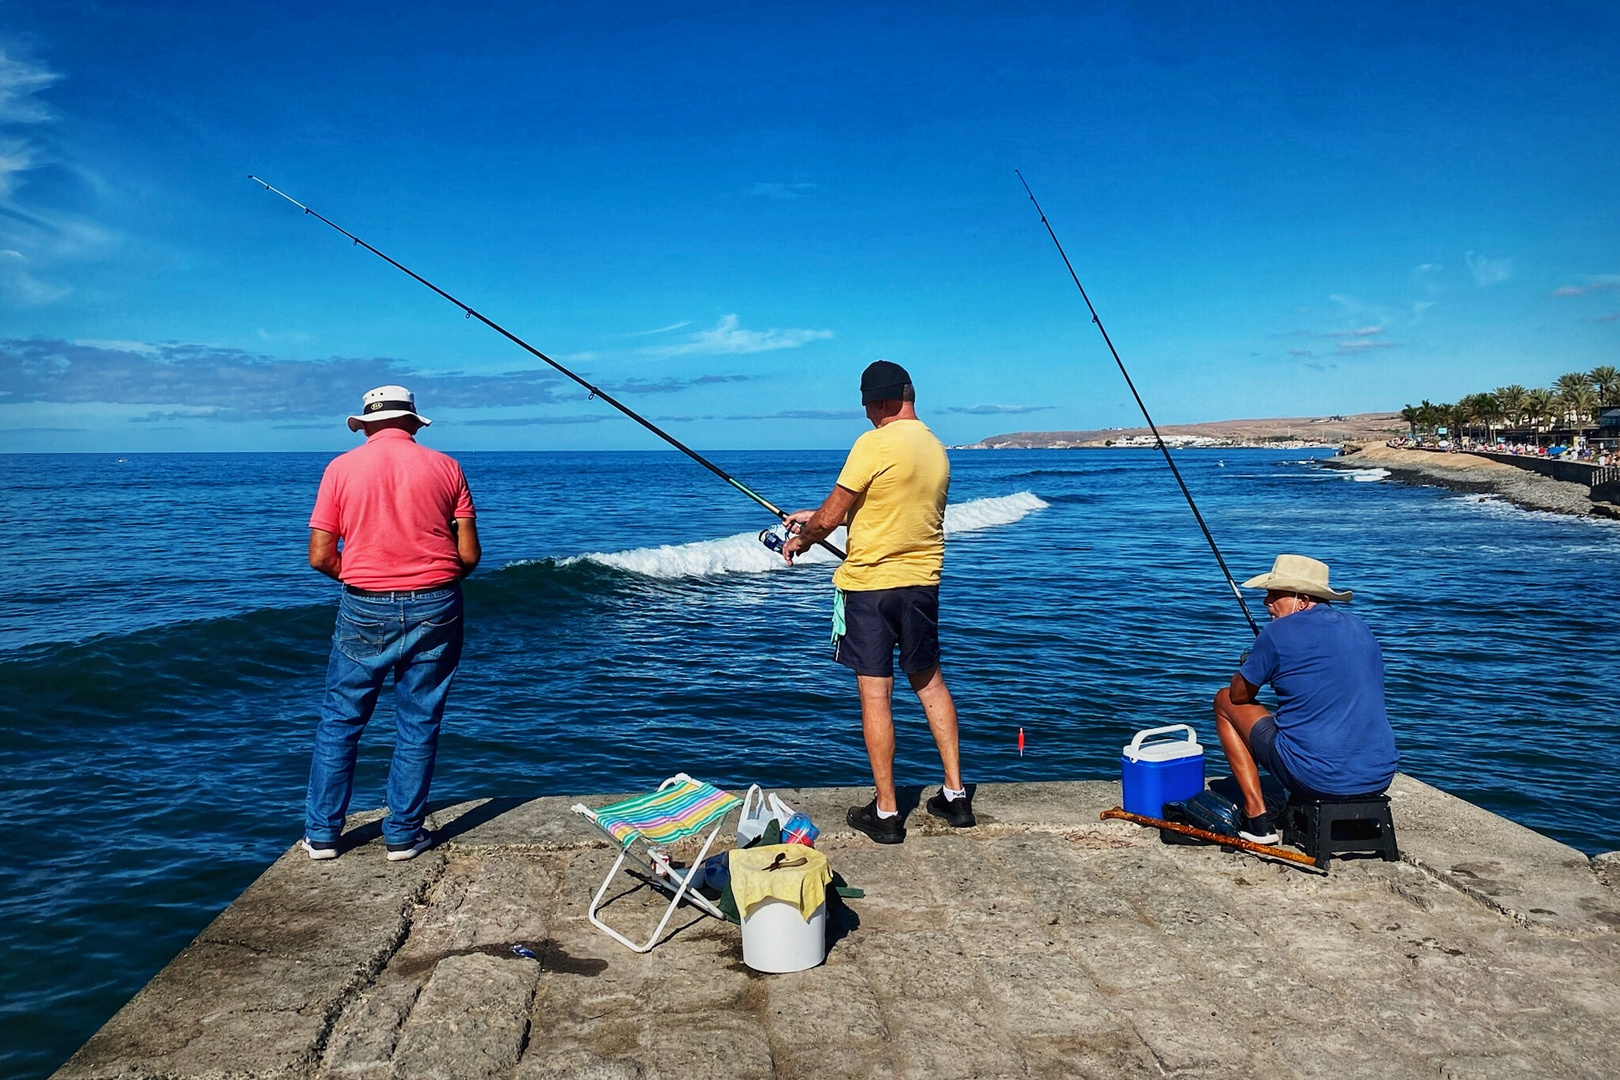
744 554
1364 476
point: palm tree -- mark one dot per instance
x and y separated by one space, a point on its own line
1582 404
1563 389
1410 415
1490 414
1568 384
1427 415
1540 405
1607 381
1477 410
1513 400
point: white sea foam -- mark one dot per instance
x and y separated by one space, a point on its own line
744 554
1365 476
1496 506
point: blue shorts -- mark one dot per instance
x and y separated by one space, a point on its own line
1263 745
877 620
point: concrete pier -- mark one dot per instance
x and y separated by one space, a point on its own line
1043 943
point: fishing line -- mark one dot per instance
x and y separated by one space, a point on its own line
595 392
1165 450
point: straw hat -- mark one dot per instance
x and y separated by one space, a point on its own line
1298 574
386 403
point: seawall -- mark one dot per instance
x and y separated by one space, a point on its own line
1043 943
1512 478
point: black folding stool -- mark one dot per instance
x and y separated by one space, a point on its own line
1359 825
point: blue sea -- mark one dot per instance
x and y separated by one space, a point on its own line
162 646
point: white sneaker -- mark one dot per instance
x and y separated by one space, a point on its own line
319 849
411 848
1258 830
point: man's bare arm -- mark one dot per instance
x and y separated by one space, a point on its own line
817 525
323 553
1243 692
468 549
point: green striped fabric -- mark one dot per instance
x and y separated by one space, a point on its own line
679 810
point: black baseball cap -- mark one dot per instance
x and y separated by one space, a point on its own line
883 380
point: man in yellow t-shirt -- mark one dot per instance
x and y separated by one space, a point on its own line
891 494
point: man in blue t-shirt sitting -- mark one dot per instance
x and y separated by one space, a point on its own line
1330 737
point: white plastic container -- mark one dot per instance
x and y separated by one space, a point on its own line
777 939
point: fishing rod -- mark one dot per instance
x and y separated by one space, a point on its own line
595 392
1165 450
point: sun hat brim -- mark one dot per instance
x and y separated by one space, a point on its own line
386 414
1289 583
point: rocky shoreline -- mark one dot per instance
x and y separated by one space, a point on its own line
1475 475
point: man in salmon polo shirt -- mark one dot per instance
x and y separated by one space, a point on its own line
408 536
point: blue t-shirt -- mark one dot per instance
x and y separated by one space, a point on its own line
1332 731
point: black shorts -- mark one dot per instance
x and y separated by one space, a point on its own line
876 621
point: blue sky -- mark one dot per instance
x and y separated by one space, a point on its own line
724 213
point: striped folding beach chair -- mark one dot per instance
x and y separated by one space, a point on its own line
681 807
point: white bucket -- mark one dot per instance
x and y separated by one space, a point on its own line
776 938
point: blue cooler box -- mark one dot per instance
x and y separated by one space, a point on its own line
1160 772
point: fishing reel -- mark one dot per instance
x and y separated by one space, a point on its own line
775 537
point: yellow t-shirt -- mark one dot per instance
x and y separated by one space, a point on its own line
900 476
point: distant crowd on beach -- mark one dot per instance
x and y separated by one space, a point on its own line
1588 454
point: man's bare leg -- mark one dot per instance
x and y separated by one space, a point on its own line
1233 723
877 725
941 711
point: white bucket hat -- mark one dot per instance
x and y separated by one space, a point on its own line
1298 574
386 403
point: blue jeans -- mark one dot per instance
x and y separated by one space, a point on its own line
418 638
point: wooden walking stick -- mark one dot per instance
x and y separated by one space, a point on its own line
1214 838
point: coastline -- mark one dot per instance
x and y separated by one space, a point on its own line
1474 475
1275 433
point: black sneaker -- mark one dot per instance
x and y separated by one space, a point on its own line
1258 830
411 848
883 830
958 813
319 849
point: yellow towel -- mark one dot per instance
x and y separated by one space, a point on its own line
804 886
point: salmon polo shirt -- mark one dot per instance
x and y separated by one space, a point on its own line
391 501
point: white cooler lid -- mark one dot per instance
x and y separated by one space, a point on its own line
1139 749
1165 751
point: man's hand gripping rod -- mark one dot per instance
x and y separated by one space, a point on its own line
594 391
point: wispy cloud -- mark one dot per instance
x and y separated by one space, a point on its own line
1303 353
1488 271
805 414
1598 284
728 336
779 191
1359 332
230 384
20 83
994 410
531 421
661 330
1364 344
34 243
667 385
